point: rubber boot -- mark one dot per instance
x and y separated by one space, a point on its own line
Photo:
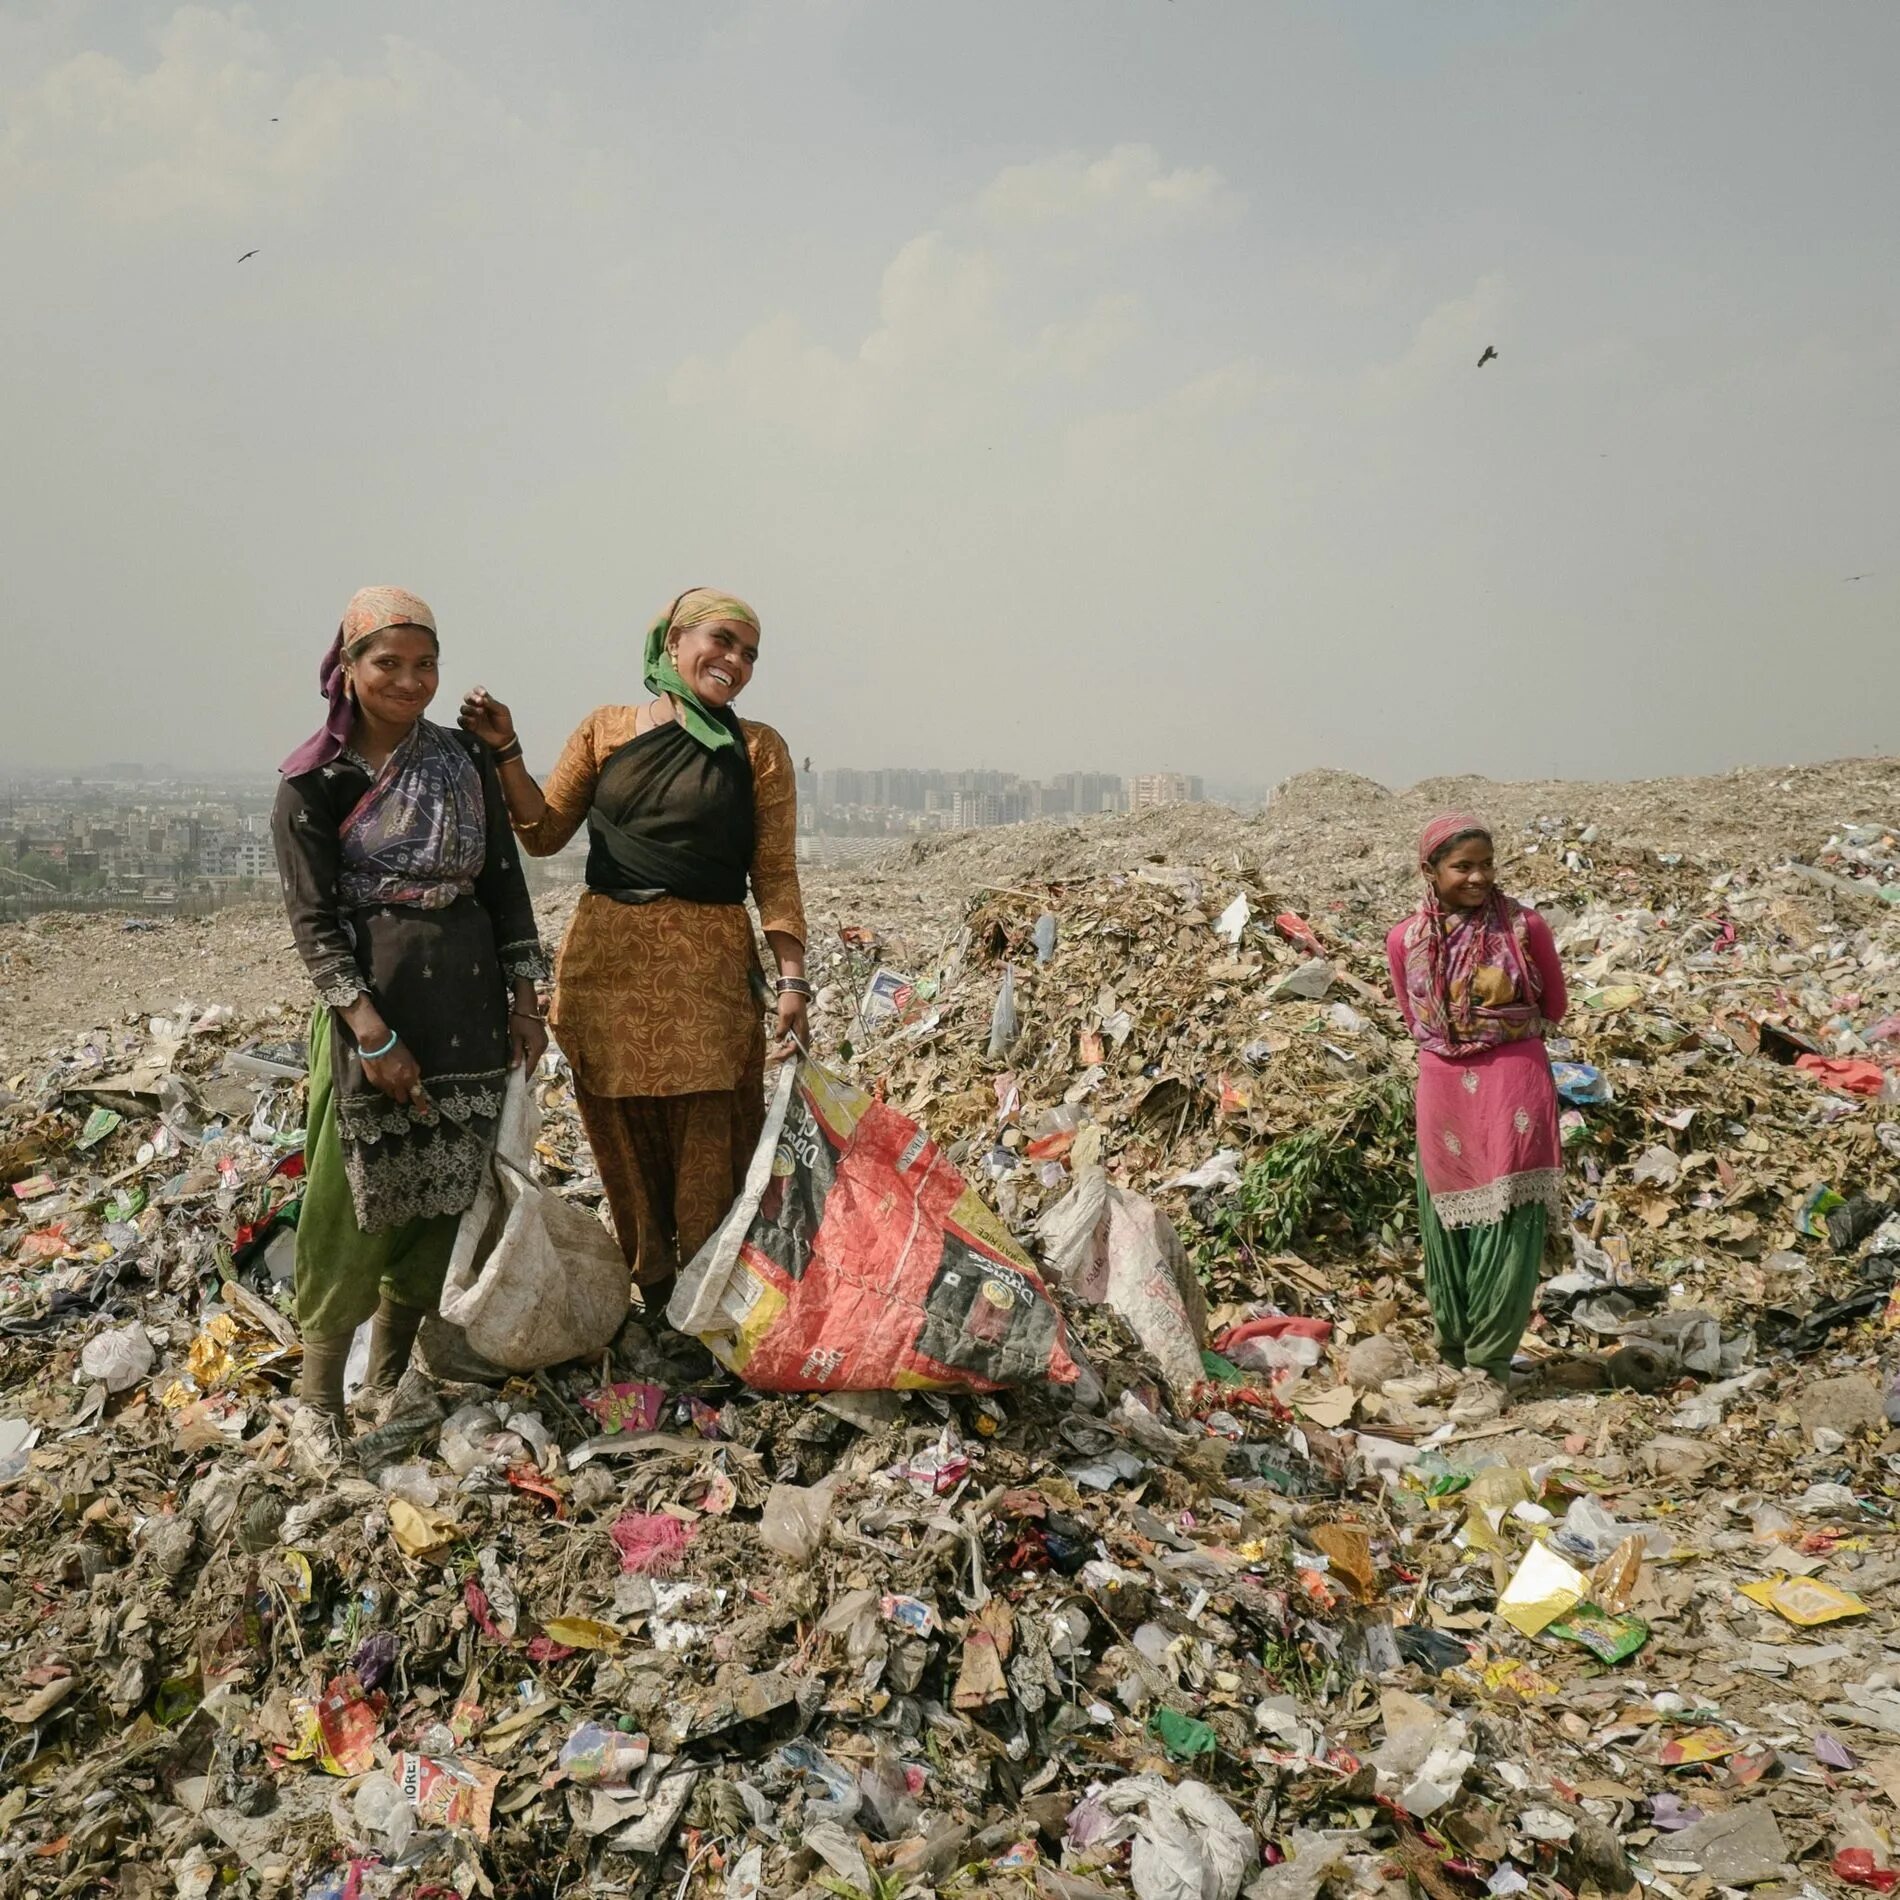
320 1385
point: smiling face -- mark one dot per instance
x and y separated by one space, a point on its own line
394 676
715 658
1464 874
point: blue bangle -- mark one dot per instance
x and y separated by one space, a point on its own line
376 1055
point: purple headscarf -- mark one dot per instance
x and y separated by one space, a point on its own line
371 609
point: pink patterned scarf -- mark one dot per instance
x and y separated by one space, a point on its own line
1445 950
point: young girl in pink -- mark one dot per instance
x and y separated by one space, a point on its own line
1479 984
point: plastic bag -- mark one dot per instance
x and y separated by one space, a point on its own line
1003 1025
1113 1247
533 1280
118 1359
795 1520
857 1259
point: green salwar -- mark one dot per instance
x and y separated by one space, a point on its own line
1482 1282
342 1272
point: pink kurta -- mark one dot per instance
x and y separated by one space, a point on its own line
1487 1123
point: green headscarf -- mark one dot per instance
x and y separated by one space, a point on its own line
662 676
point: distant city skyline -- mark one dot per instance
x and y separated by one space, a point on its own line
132 830
18 780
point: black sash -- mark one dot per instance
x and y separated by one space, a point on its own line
672 818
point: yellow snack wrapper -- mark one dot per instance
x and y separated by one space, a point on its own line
581 1632
1544 1588
1804 1600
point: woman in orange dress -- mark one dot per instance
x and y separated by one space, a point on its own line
657 998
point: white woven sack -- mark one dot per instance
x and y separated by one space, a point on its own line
533 1280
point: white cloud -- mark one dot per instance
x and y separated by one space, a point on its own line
939 361
191 133
218 125
1115 438
1126 187
1076 347
964 328
936 303
937 333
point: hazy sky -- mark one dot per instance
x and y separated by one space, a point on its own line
1069 383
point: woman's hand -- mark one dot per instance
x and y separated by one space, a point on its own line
527 1040
488 719
794 1025
399 1077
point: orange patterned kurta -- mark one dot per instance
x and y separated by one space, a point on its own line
656 999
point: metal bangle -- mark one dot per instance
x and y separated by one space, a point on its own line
792 986
376 1055
508 754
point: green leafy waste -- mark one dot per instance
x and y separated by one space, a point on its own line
1354 1166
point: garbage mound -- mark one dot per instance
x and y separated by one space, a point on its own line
1241 1610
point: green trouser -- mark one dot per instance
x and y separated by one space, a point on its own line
1482 1283
342 1272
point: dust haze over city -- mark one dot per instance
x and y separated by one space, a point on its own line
1073 388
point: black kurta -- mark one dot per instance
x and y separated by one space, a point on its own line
440 979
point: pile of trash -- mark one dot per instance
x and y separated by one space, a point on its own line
1217 1602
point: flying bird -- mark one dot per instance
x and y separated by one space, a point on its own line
1490 355
1858 577
250 254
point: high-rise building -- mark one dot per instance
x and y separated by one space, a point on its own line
905 788
843 785
1087 792
1146 790
969 809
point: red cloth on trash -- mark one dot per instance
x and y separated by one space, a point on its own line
1273 1326
1843 1075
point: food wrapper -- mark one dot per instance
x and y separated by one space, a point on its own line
341 1727
1349 1556
1610 1639
1519 1678
1804 1600
1614 1582
448 1793
631 1406
211 1357
596 1756
1811 1218
1697 1745
581 1632
1544 1588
